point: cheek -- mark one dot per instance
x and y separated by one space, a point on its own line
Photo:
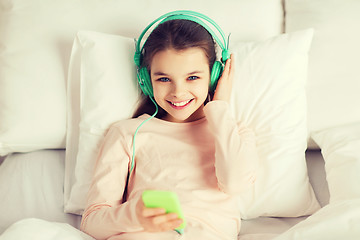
202 91
159 92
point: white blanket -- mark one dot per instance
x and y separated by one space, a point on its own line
339 220
37 229
333 222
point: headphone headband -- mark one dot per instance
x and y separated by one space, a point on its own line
186 15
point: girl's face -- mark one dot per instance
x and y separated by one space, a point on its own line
180 81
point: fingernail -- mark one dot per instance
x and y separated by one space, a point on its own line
173 215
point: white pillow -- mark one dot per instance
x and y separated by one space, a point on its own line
278 117
107 92
269 96
36 38
340 147
334 72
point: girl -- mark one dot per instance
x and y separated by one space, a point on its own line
192 147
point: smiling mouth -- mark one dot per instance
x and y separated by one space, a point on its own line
180 105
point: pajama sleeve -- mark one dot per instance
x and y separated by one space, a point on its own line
236 158
105 214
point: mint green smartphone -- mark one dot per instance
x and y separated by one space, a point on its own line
167 200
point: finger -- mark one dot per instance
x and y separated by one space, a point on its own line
227 68
160 219
232 68
230 64
151 212
170 225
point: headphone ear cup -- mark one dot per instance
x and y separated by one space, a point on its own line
145 82
216 72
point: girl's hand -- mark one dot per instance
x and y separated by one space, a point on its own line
224 86
155 219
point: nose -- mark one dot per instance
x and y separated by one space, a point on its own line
178 89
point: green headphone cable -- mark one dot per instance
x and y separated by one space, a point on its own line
136 131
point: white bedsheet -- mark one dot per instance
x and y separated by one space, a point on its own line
333 222
31 187
338 221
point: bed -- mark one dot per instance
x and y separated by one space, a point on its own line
60 65
35 183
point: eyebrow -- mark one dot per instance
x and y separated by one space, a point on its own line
164 74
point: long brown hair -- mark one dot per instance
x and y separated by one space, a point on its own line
177 34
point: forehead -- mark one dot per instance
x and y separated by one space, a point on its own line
177 61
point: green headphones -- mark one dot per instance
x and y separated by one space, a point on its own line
143 75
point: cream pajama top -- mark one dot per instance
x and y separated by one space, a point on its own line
208 163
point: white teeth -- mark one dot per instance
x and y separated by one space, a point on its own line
180 104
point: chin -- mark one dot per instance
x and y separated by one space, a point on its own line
173 118
183 117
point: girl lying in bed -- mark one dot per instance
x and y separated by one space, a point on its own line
192 146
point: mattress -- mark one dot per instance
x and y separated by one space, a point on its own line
31 186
